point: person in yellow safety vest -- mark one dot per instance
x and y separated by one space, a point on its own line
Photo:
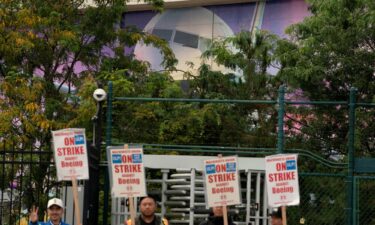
23 221
147 206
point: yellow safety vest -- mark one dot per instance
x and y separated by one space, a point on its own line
137 222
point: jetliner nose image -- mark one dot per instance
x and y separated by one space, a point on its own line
189 32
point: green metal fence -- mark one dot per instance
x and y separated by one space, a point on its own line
365 203
334 196
27 177
323 200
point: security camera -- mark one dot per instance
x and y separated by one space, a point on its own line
99 95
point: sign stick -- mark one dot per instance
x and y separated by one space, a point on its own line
225 211
76 203
132 210
283 213
225 215
131 200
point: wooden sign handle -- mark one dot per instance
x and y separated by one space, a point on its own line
225 215
132 210
76 202
283 214
224 207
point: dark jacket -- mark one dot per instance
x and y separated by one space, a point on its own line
216 220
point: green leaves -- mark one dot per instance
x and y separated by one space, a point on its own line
246 56
330 52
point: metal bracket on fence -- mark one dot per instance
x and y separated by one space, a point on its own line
254 206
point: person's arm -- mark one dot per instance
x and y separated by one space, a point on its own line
33 217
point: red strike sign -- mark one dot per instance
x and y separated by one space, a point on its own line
70 154
127 167
128 178
282 180
222 182
222 178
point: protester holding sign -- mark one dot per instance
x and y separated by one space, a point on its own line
71 161
147 206
55 210
216 217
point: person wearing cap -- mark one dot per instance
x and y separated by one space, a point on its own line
55 211
216 217
147 206
276 216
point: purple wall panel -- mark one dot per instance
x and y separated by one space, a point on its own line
279 14
138 19
237 16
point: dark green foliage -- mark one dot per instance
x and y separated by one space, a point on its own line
330 52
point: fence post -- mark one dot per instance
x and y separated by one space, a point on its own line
280 120
350 183
356 200
108 137
92 189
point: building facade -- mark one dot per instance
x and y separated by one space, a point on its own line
190 26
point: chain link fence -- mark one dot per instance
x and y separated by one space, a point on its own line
27 177
364 200
323 200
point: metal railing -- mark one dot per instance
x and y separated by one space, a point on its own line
27 176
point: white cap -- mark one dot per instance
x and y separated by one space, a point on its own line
55 201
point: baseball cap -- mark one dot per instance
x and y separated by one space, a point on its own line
55 201
276 212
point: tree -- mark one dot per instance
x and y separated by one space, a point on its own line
206 124
250 57
327 54
53 54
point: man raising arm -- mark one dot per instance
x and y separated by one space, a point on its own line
55 210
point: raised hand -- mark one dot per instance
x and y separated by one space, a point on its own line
33 217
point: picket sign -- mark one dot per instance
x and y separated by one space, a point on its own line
282 181
128 174
70 153
222 183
